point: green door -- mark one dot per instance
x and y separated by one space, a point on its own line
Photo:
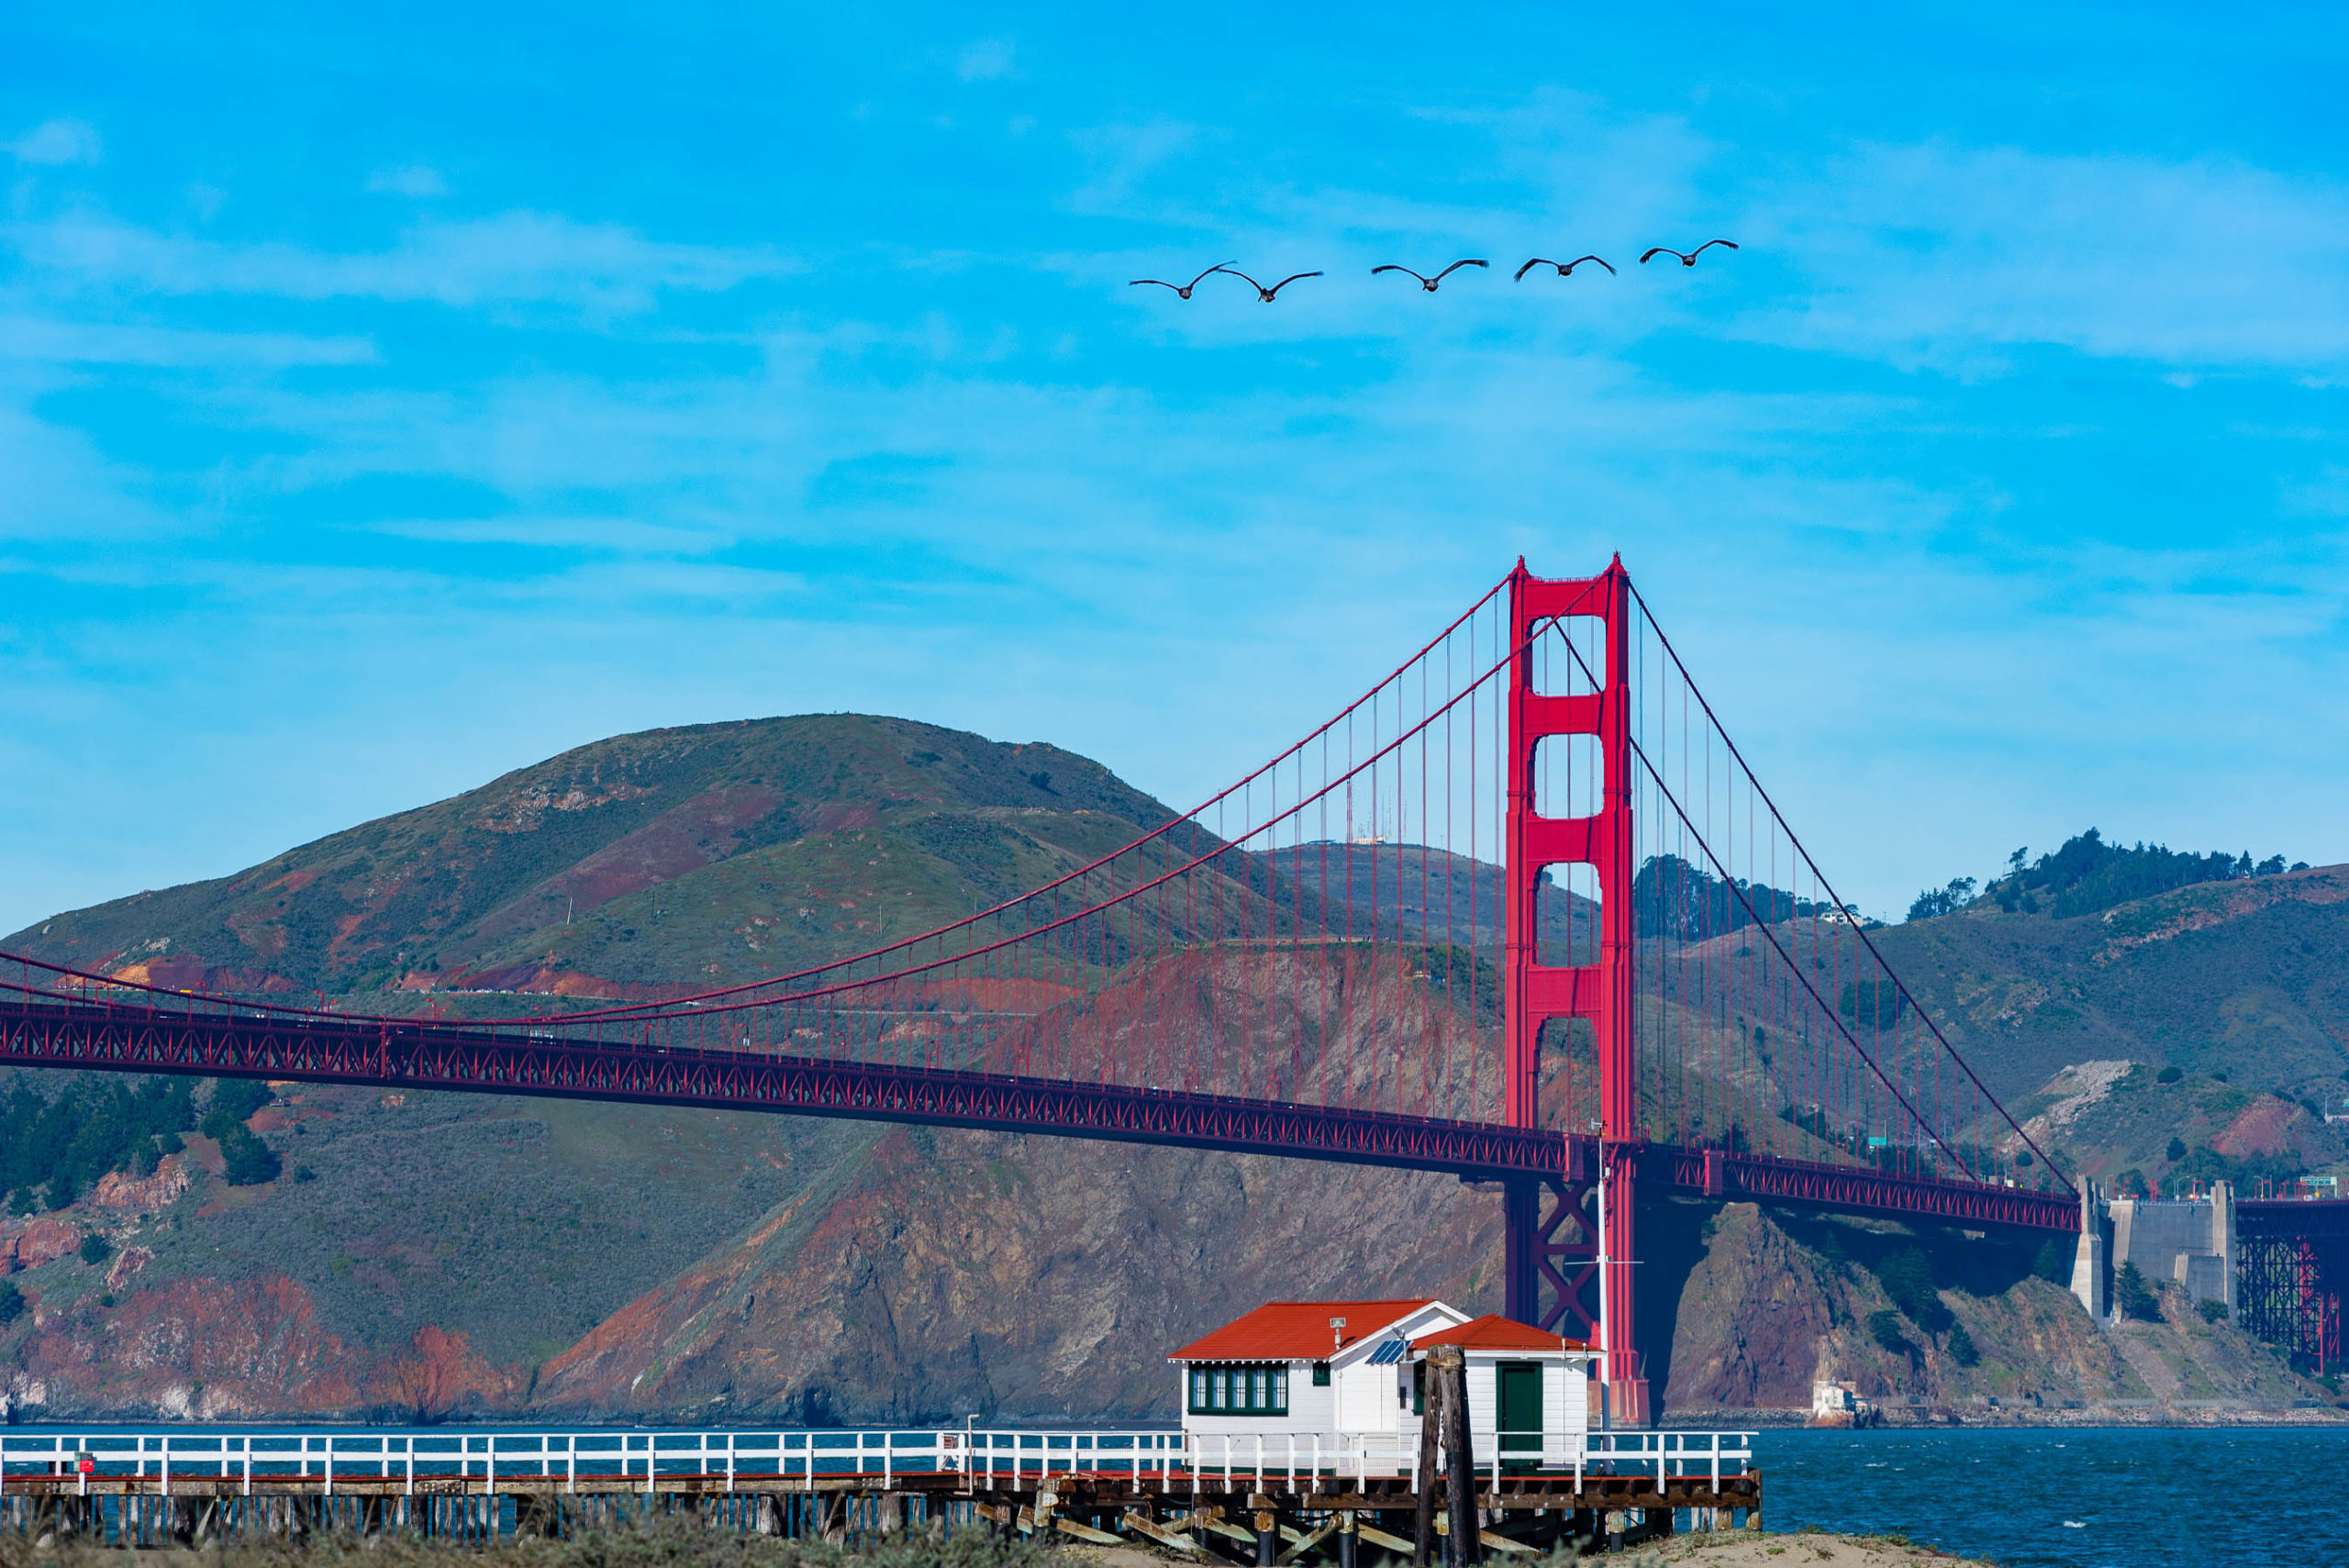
1519 1406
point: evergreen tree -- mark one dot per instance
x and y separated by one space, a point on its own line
2135 1297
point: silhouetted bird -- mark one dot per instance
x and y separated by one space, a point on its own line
1182 291
1566 268
1262 292
1690 259
1429 283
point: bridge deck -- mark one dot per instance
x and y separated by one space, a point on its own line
422 1055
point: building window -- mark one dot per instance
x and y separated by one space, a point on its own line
1258 1390
1320 1375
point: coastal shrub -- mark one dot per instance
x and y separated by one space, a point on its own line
1672 897
2087 875
2135 1297
234 1100
2206 1164
1885 1329
12 1301
2169 1075
96 1248
2213 1311
2176 1151
1908 1277
1935 902
1871 1004
60 1136
247 1161
1961 1347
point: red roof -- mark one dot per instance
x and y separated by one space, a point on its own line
1495 1333
1297 1330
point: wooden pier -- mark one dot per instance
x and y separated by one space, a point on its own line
1151 1489
1324 1521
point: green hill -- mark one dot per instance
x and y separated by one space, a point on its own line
699 855
2236 991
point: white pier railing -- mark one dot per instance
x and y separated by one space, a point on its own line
983 1456
1358 1457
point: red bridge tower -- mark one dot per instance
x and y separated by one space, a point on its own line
1551 1275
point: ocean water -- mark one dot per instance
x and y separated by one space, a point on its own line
2126 1498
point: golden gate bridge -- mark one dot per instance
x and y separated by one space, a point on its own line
1522 912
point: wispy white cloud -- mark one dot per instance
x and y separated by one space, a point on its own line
410 180
514 258
615 536
1120 157
59 141
62 490
1950 255
58 340
987 59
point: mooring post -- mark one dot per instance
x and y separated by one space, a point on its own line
1349 1539
1423 1479
1451 1364
1268 1533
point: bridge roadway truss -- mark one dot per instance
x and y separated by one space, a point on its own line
2292 1272
113 1036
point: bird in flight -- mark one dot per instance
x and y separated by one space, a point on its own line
1182 291
1689 260
1566 268
1262 292
1429 283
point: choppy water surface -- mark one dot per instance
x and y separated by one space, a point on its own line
2097 1499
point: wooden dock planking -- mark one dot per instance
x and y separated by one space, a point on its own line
1298 1521
1531 1493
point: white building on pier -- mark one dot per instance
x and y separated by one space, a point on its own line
1351 1374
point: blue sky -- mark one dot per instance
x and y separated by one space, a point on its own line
384 406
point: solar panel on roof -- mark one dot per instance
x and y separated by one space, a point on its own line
1389 1353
